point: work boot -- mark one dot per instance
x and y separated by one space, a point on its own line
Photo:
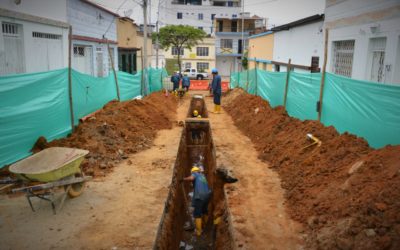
205 220
215 109
198 226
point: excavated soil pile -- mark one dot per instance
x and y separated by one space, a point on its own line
346 194
117 130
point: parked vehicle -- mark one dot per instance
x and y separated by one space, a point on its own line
194 74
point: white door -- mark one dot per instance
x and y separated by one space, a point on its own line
377 55
47 51
99 62
13 61
82 59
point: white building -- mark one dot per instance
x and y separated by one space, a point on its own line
299 41
93 29
198 13
33 36
364 39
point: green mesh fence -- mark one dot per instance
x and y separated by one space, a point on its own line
33 105
366 109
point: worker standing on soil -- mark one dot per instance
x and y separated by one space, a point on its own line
201 197
217 91
175 80
185 82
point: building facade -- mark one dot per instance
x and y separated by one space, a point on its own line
364 39
261 50
231 43
199 13
33 36
300 41
201 57
127 45
94 29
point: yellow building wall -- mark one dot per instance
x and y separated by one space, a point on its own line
261 47
126 33
140 44
190 55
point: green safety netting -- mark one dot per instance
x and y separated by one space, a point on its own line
32 105
37 104
366 109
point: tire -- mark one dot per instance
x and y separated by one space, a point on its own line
76 189
200 77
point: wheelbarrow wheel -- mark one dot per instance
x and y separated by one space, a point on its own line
76 189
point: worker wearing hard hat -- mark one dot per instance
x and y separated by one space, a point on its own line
175 78
201 197
196 114
217 91
185 82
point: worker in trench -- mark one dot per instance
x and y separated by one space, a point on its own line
201 197
217 90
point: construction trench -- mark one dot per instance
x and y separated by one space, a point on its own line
196 147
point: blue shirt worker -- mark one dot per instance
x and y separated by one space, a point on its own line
217 90
201 197
185 82
175 80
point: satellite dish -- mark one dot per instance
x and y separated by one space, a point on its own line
128 13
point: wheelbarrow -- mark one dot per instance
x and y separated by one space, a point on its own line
50 169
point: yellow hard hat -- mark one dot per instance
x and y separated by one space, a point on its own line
195 112
195 169
199 116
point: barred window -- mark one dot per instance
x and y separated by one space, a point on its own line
175 51
200 16
202 51
46 35
79 50
227 43
342 60
202 67
11 29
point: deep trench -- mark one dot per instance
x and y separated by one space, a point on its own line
172 233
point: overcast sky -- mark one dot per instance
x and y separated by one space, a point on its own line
278 12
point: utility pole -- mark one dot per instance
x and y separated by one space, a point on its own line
243 43
144 66
157 41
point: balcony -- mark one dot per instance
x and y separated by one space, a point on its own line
187 2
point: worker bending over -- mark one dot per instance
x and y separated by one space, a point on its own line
201 197
217 91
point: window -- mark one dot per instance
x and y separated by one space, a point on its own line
202 51
46 35
188 65
227 43
174 51
230 4
11 29
212 16
377 47
234 16
202 67
234 26
79 51
200 28
200 16
179 15
342 60
220 26
13 57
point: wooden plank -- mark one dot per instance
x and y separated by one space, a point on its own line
287 83
113 68
321 91
53 184
71 106
298 66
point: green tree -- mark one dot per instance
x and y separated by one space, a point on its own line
179 36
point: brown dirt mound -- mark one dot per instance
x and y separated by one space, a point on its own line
117 130
345 193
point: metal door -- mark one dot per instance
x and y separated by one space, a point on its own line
377 54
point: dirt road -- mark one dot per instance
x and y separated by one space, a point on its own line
256 201
122 210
